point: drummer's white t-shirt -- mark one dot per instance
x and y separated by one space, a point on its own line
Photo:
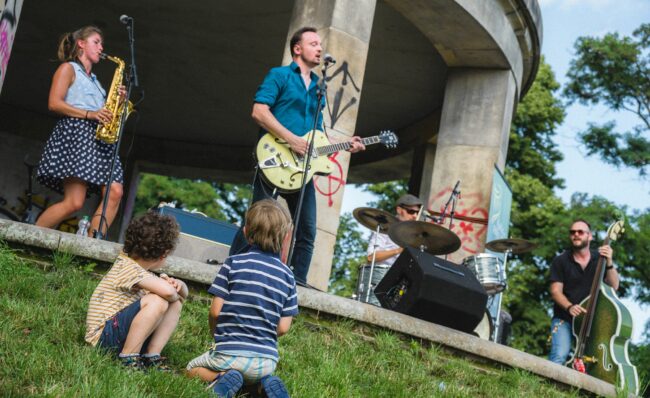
383 243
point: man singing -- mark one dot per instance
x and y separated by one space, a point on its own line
285 105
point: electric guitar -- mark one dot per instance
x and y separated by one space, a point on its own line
284 169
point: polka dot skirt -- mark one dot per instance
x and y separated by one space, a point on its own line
73 151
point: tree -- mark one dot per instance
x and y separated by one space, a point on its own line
615 71
349 255
531 150
227 202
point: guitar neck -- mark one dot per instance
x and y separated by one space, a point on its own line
344 146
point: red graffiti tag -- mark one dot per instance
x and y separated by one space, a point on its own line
471 234
333 182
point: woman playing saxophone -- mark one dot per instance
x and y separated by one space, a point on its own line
74 163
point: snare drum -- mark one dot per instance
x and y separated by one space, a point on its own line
362 285
488 271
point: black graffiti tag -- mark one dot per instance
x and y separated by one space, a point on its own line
336 111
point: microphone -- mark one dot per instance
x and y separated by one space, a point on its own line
125 19
328 59
456 191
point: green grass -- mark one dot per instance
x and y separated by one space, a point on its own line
42 351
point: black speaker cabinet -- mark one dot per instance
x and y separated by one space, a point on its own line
432 289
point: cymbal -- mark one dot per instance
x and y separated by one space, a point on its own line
432 238
514 245
371 218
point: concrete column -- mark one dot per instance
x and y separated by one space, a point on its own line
9 17
472 140
344 26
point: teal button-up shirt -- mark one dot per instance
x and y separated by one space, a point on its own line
293 105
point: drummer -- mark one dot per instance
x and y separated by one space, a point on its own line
407 208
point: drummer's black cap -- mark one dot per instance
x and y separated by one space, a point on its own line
409 200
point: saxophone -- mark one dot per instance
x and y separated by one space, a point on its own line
109 132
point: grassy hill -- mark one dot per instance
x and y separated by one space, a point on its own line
42 352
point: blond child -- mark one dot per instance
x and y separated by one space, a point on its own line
254 302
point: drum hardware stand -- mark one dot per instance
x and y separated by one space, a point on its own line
320 94
372 267
497 321
453 199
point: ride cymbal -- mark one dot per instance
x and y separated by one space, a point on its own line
513 245
371 218
429 237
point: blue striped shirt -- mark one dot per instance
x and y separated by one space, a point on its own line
258 289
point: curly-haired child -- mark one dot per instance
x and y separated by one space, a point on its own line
133 312
254 302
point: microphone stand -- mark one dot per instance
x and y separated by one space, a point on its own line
453 198
320 94
133 80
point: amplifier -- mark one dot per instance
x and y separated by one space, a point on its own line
202 238
432 289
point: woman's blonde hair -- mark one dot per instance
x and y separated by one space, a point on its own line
68 49
267 223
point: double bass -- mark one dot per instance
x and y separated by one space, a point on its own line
602 334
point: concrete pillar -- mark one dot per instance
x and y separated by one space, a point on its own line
472 140
9 16
344 26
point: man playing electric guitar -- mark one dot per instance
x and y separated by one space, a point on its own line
285 105
572 274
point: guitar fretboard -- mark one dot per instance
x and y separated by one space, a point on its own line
344 146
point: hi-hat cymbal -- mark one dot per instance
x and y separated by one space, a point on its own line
431 238
371 218
513 245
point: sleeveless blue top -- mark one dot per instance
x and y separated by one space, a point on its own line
86 92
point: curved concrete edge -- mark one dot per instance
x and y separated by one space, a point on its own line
319 301
533 14
99 250
452 338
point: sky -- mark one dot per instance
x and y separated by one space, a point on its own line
564 21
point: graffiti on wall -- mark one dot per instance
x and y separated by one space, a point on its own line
8 25
329 185
471 234
346 86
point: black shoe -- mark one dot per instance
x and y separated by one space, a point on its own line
156 362
133 362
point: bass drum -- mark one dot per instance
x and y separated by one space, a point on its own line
485 328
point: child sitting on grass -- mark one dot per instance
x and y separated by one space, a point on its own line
133 312
254 302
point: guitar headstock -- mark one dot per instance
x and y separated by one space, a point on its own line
616 229
388 138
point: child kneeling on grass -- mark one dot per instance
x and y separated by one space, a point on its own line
254 302
133 312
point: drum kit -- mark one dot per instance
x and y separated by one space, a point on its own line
489 269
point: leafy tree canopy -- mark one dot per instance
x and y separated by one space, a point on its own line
615 71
